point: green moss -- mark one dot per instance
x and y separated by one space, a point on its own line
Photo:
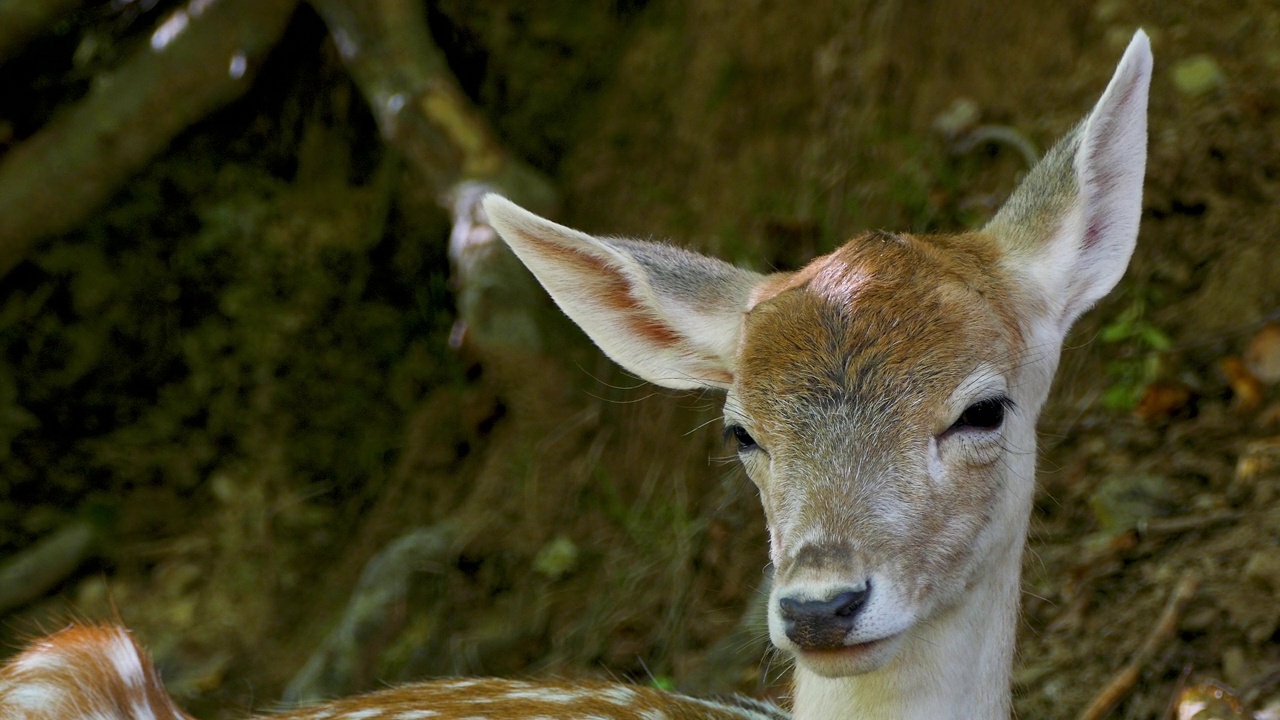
279 331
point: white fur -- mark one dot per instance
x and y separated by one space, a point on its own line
1074 259
141 710
123 655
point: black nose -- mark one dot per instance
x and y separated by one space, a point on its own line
823 624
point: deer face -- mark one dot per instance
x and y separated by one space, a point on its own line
872 406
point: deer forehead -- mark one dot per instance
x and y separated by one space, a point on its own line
879 332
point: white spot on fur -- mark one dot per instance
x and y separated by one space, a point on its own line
652 714
462 684
620 695
544 695
42 661
416 714
142 710
123 655
32 697
519 684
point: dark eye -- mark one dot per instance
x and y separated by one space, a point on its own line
983 415
739 433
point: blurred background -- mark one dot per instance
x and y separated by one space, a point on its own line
270 395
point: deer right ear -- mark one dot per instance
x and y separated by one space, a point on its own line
671 316
1069 229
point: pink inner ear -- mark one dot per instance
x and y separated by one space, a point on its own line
598 282
607 286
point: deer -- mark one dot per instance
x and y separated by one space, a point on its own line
883 400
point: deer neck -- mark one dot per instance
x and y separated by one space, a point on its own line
957 666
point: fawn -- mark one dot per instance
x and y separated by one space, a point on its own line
883 400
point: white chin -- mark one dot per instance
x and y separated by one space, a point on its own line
853 660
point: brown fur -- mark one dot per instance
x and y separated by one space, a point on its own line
75 674
498 699
855 353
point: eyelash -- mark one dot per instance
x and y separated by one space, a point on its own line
740 434
987 414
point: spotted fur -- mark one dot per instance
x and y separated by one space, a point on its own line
85 672
99 672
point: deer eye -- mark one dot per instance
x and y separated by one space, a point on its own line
739 433
983 415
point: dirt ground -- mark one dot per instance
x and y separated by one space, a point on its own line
239 372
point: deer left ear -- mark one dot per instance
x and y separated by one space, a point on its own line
671 316
1069 229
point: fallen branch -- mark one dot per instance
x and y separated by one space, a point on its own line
1125 680
42 567
372 613
422 113
200 59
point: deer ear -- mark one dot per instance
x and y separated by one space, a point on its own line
671 316
1069 229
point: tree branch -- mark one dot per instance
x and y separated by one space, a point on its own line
1125 680
422 112
200 59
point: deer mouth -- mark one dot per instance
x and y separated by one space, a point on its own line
853 659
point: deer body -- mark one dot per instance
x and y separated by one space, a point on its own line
92 672
884 401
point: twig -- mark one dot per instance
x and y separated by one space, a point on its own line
1125 680
1185 523
1000 134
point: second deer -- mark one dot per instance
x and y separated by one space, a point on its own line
883 400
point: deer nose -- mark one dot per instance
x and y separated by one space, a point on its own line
823 624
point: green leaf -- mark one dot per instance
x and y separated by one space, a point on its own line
1118 331
662 682
1154 337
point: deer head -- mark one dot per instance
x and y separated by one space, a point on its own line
883 398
